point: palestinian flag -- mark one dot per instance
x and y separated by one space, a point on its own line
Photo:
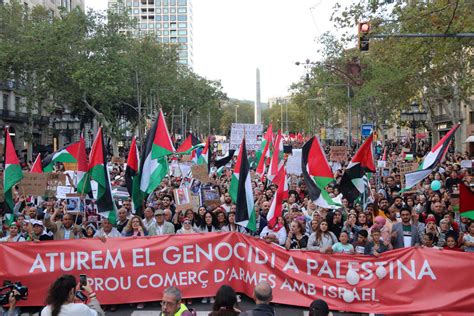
316 173
132 178
205 156
234 180
245 215
277 157
352 183
224 161
466 201
264 153
431 160
83 177
65 154
190 143
276 207
99 172
12 174
154 162
37 167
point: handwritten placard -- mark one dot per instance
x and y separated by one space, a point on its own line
338 153
200 173
54 180
33 183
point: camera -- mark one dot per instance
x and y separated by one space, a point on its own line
10 287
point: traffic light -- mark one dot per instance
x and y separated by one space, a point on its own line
363 32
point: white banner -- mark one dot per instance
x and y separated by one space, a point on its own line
253 135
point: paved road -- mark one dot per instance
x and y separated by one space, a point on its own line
154 308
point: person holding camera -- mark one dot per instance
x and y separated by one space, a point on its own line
12 309
61 297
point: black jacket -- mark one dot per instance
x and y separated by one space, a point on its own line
260 310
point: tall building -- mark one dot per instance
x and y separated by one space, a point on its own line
31 130
170 21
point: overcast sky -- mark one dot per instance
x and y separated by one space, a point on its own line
234 37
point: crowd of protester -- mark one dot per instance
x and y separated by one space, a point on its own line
386 219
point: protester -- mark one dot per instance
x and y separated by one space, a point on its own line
323 239
263 296
135 228
226 302
160 226
318 308
296 237
65 229
172 305
405 234
14 235
468 238
343 246
62 296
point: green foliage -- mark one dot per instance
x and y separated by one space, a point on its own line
88 63
436 72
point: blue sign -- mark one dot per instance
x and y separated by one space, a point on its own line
366 129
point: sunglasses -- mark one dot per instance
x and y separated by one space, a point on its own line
186 222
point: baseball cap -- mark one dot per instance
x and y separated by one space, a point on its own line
159 212
40 223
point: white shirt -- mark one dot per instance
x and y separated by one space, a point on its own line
149 224
71 309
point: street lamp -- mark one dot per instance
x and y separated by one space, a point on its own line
414 118
67 124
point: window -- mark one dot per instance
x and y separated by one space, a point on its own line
158 25
166 33
173 33
157 3
166 25
157 17
182 2
165 11
183 61
17 104
151 25
182 18
158 10
172 2
172 17
182 32
173 10
183 54
172 25
182 25
136 4
173 40
165 2
181 10
183 46
166 40
5 101
471 117
183 39
135 11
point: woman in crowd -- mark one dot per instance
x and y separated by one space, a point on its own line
14 236
296 237
189 214
209 224
187 227
323 239
232 226
199 218
221 219
135 228
361 222
61 297
226 302
276 234
350 227
89 231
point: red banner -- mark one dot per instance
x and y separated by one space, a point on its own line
127 270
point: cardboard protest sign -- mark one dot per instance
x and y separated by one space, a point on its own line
33 183
200 173
406 167
118 160
54 180
467 164
338 153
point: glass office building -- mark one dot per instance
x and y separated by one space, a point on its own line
170 21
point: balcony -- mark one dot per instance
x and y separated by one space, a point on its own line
441 118
22 117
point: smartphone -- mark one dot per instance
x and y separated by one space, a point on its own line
81 296
82 280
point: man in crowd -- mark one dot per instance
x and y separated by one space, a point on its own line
263 296
405 234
